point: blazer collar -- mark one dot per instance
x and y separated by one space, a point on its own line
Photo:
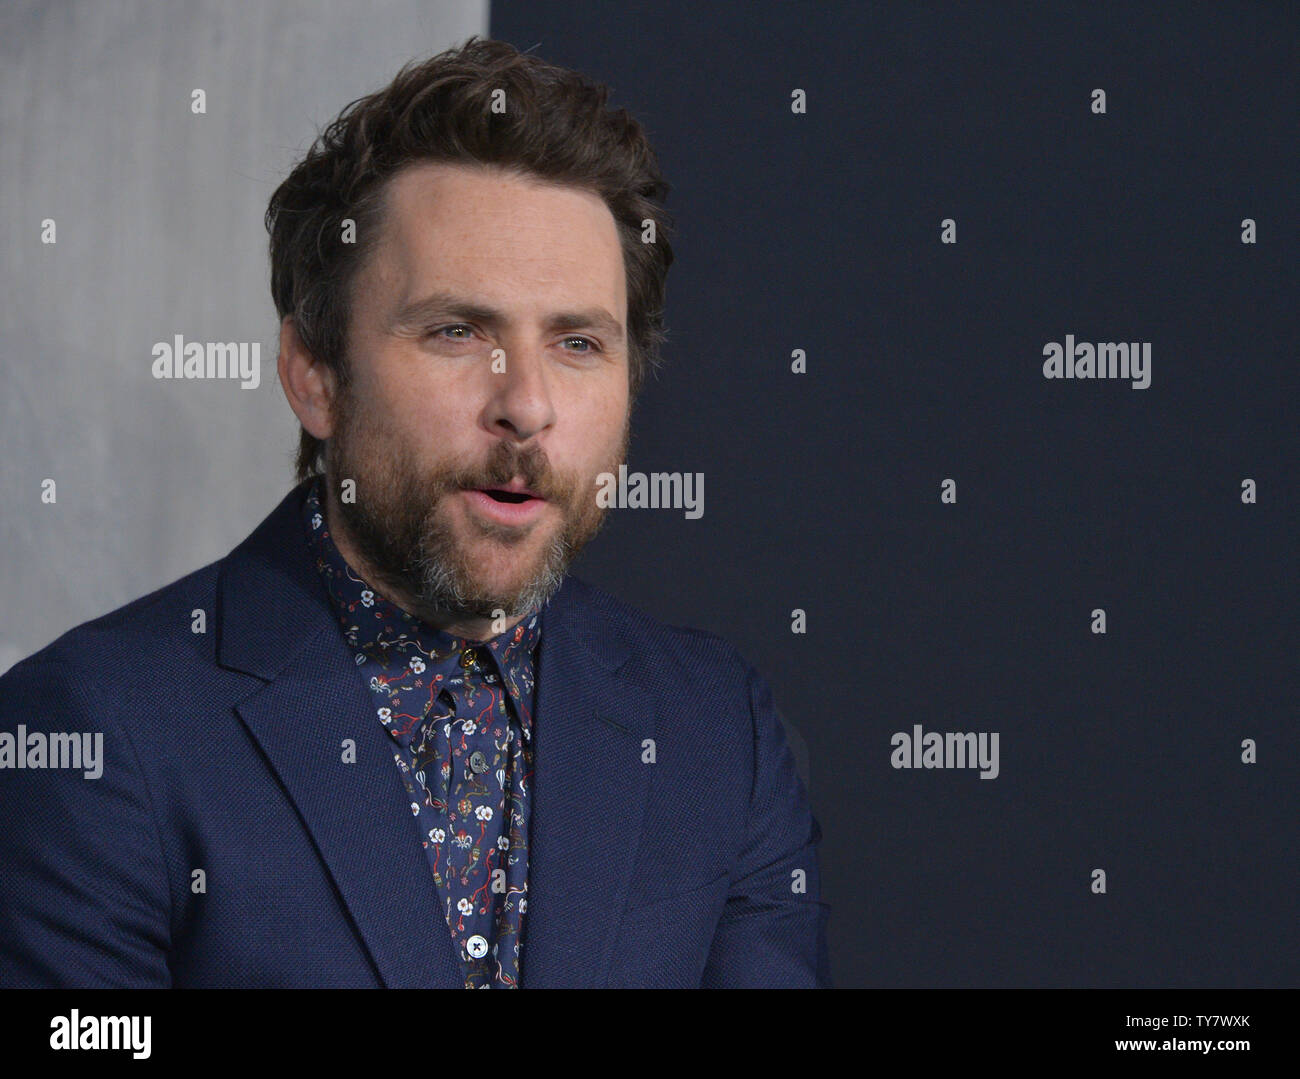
589 786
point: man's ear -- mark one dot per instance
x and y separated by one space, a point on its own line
308 385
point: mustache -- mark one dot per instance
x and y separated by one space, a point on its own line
507 463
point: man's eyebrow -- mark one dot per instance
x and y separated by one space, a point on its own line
419 313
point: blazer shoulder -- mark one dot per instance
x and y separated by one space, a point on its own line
656 641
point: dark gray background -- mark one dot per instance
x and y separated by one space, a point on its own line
821 232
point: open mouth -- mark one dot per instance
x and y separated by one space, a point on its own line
517 507
507 496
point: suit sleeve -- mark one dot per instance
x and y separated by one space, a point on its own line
772 933
84 899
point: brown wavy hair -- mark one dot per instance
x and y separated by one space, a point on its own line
555 126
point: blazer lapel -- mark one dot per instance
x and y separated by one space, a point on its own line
589 794
589 786
276 624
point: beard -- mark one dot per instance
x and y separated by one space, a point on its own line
401 521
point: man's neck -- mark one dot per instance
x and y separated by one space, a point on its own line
472 628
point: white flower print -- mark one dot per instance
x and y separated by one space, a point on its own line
503 843
367 598
467 725
523 904
316 521
465 906
417 664
415 809
483 812
437 835
386 715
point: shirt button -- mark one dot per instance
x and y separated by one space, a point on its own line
478 762
477 946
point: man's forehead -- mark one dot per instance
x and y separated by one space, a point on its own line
457 195
446 225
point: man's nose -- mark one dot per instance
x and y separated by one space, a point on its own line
520 404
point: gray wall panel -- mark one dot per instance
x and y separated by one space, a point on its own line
158 214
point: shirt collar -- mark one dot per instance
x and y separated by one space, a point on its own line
375 628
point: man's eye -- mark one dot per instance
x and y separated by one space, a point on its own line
457 326
463 332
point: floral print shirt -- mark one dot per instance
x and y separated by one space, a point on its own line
459 715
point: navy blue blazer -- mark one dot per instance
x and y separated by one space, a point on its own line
230 842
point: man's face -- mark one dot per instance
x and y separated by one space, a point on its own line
487 348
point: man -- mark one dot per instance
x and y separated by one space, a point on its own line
388 741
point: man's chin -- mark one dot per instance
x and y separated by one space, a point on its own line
488 593
485 600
